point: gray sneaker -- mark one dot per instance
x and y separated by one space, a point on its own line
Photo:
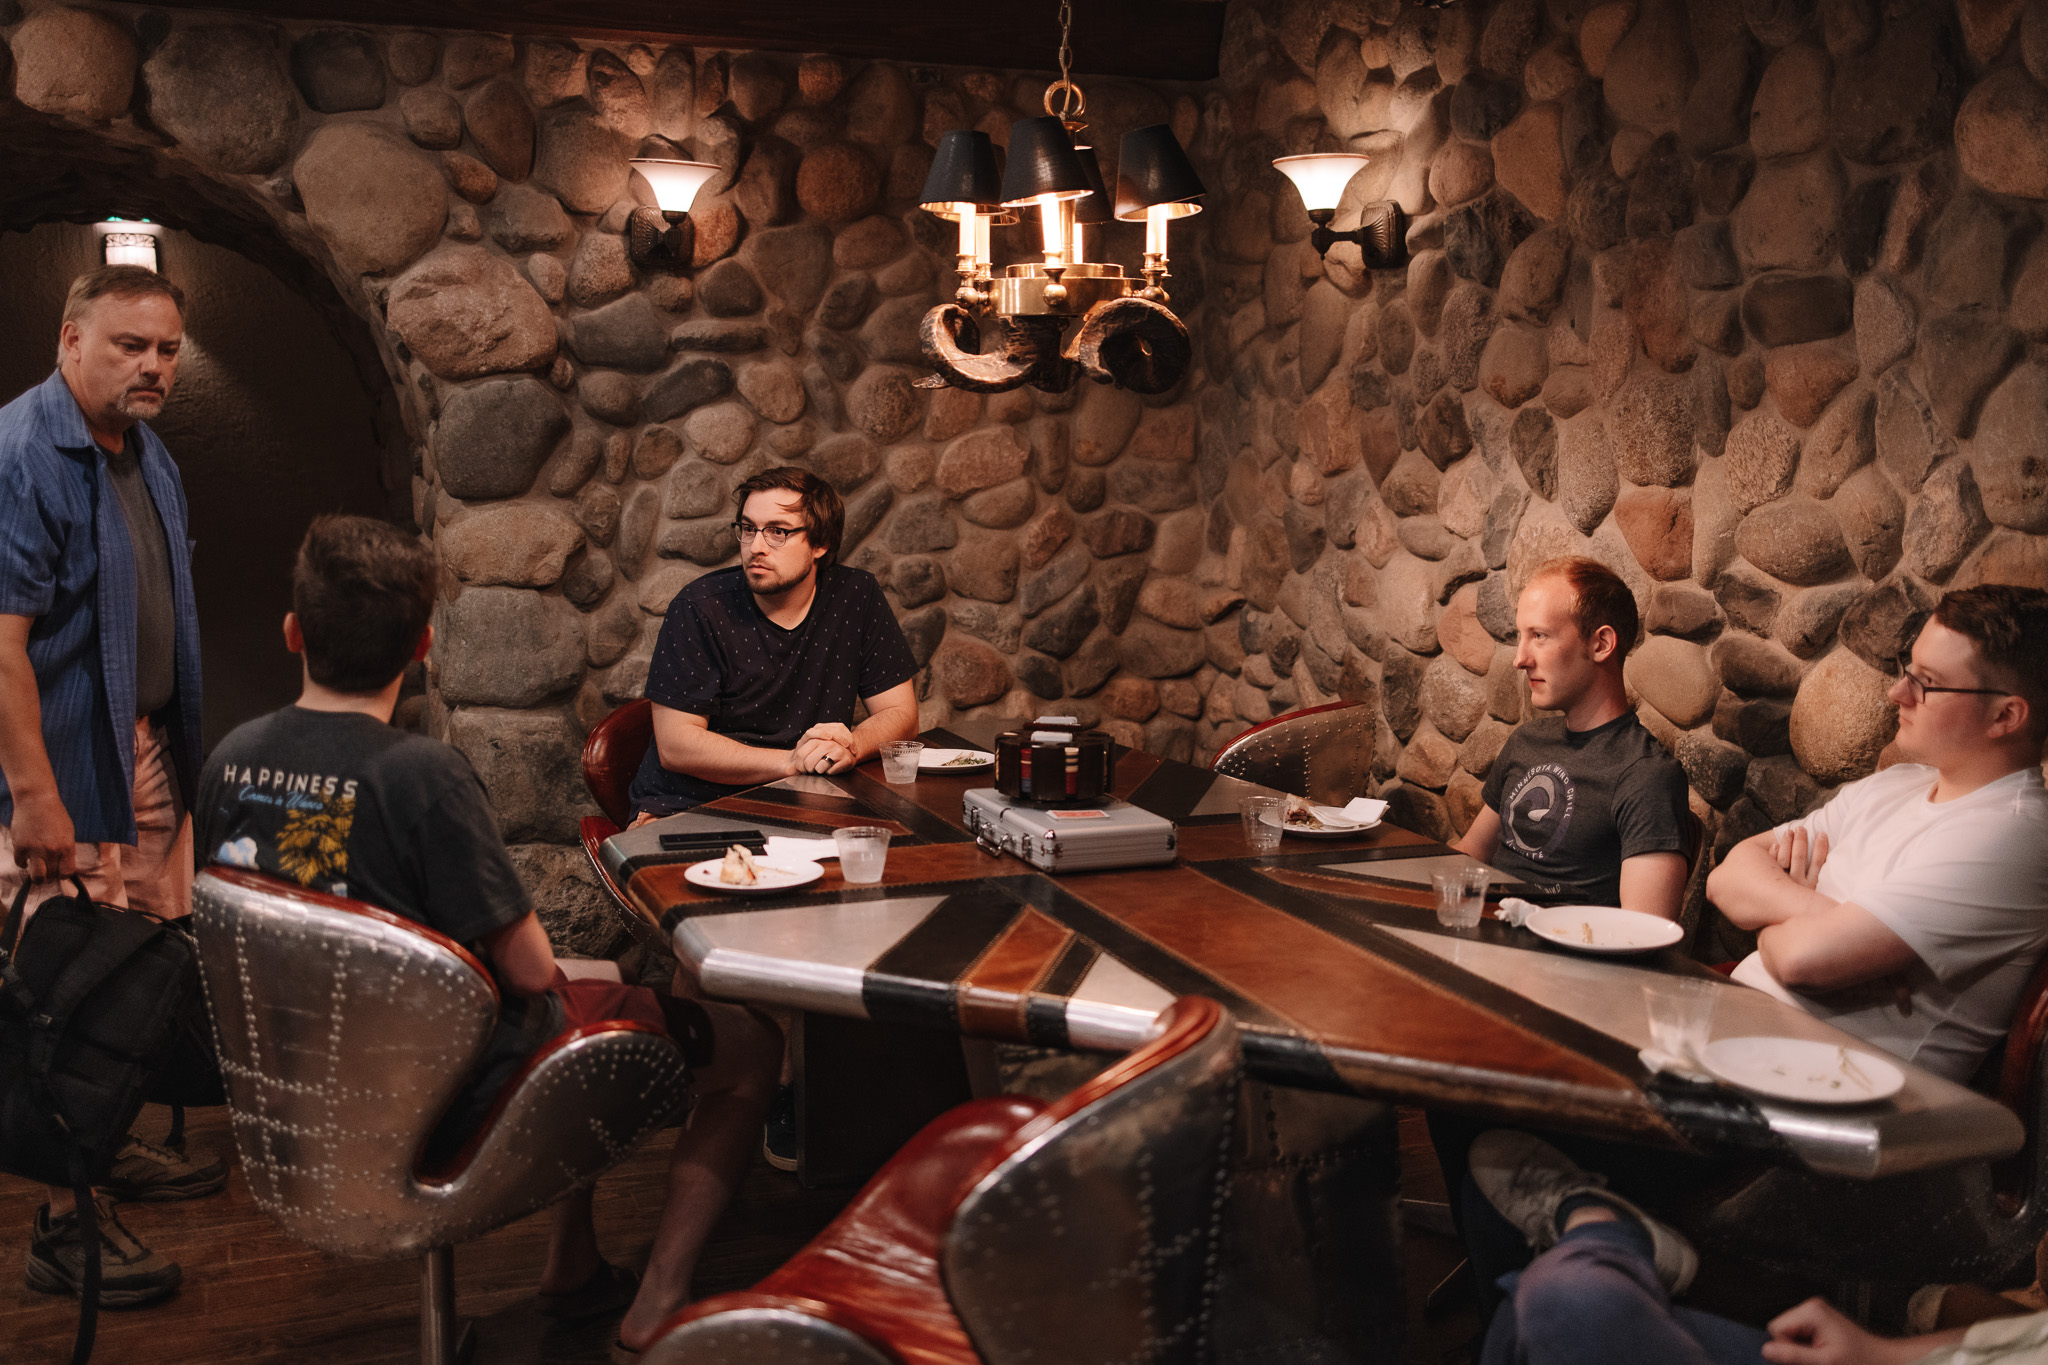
146 1173
131 1275
1528 1180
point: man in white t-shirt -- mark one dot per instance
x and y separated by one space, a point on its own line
1910 909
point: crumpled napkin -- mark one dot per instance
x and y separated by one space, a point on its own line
786 848
1516 911
1366 811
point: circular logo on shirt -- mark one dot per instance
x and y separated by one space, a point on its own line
1538 810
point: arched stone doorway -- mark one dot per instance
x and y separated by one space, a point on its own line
282 409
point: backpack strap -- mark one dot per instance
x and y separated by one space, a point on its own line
89 1287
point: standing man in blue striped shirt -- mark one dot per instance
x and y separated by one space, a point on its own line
99 683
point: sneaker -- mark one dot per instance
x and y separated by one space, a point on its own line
131 1275
778 1135
146 1173
1528 1180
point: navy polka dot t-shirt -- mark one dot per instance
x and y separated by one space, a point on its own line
719 656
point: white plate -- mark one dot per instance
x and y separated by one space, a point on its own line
1802 1069
780 876
941 761
1336 824
1604 929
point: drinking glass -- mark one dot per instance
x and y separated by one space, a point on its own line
1262 822
863 849
899 760
1681 1013
1460 895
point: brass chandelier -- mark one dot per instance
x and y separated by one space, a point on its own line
1127 334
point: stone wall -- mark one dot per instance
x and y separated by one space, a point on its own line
1745 299
576 424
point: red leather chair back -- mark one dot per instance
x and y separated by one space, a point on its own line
613 753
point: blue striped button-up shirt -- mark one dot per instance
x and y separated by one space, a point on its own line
66 560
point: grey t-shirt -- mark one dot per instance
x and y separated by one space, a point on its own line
156 621
1574 803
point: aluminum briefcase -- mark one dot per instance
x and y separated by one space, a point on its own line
1070 839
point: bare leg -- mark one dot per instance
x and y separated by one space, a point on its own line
710 1157
572 1244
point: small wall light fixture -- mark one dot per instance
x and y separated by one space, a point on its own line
664 235
129 241
1321 178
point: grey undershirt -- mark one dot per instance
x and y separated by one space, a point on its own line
156 622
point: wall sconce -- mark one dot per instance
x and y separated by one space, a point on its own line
1155 184
126 242
664 235
1321 178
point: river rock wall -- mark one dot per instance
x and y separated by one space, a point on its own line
1744 299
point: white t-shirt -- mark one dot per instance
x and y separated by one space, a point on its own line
1963 882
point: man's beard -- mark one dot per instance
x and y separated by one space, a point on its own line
780 585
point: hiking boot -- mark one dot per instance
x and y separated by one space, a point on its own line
148 1174
1528 1180
778 1135
131 1275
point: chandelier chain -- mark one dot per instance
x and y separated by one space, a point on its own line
1072 103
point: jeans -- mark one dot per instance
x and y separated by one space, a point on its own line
1652 1178
1594 1299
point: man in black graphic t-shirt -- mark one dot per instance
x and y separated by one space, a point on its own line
757 667
1585 803
328 794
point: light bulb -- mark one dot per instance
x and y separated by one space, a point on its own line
1051 228
969 217
1156 219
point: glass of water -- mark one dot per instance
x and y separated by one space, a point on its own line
899 760
1460 896
1262 822
1681 1015
863 850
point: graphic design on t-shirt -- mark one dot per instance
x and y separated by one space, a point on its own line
310 843
1538 811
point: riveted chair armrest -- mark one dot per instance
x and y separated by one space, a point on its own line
874 1270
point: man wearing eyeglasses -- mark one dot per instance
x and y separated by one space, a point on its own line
1910 908
757 667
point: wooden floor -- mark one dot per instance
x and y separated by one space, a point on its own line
250 1294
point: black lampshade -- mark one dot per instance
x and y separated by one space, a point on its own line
1042 161
963 172
1152 169
1094 206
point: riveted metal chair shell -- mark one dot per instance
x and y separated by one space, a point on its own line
344 1032
1323 753
1010 1232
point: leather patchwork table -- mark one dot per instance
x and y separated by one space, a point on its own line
1328 952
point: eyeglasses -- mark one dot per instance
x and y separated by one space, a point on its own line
1920 688
776 536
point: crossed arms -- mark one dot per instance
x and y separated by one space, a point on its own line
1808 941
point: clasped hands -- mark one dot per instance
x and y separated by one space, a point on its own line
825 748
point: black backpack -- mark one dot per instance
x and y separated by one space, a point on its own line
93 1001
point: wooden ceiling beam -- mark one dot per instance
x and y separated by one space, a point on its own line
1155 39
